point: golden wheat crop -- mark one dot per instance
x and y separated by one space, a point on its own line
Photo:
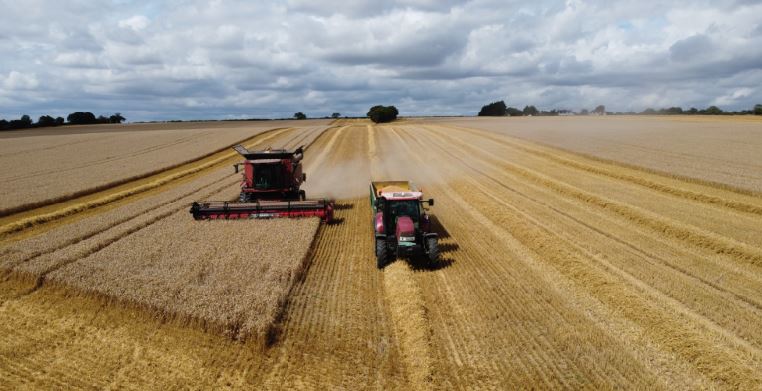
558 270
38 170
232 276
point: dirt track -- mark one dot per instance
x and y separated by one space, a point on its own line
558 271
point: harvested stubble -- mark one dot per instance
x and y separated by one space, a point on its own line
721 149
228 276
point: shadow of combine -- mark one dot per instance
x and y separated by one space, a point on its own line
336 221
343 206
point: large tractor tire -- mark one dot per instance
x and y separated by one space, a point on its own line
381 253
432 244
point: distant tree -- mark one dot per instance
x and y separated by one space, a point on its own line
381 113
300 115
584 112
530 110
758 109
649 111
59 121
26 121
600 109
23 123
692 110
673 110
3 124
117 118
81 118
713 110
494 109
335 115
514 112
46 120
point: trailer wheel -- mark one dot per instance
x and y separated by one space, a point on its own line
380 253
433 245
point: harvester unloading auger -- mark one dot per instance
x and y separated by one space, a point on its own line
270 189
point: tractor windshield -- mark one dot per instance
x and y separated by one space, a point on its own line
400 208
404 208
268 177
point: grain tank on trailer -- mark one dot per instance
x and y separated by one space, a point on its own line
401 225
270 187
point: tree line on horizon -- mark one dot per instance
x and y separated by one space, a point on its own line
500 109
76 118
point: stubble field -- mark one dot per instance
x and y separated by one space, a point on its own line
559 270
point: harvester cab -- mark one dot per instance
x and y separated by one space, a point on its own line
271 174
270 188
400 223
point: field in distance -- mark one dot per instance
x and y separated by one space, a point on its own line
615 266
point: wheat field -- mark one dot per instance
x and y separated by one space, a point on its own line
40 168
559 269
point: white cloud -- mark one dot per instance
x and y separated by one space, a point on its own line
195 59
136 23
18 81
733 96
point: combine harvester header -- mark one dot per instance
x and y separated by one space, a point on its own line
270 188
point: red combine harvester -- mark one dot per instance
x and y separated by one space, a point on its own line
270 189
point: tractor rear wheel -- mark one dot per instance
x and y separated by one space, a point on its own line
381 253
433 245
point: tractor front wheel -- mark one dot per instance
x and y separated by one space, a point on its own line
433 245
381 253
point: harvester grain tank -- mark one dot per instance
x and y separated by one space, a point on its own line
270 188
400 223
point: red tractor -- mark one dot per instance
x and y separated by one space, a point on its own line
400 223
270 188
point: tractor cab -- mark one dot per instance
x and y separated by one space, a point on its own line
394 209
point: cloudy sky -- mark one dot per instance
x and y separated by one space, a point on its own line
234 59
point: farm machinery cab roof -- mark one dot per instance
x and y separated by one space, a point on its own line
270 187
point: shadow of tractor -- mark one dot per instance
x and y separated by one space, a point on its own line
421 262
